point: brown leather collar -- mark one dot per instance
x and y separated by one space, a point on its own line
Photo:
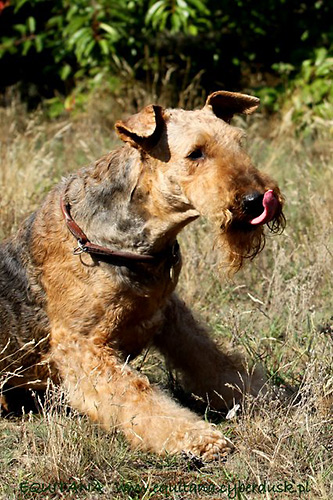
171 254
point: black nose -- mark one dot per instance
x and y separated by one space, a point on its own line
252 204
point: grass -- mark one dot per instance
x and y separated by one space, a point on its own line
277 310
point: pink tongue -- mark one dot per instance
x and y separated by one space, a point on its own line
270 204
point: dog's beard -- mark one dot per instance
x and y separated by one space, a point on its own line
235 246
239 241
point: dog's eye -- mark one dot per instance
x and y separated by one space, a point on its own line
197 154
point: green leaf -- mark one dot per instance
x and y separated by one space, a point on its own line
65 72
55 107
83 32
307 71
163 20
305 35
32 24
321 54
8 45
104 46
76 24
55 21
89 48
80 73
176 22
152 11
326 68
39 43
21 28
19 5
26 47
182 4
109 29
192 30
158 21
200 6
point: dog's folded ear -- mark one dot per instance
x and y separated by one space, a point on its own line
143 129
226 104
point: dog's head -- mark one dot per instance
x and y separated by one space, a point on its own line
195 165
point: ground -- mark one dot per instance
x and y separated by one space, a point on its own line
278 309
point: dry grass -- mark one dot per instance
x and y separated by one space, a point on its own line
278 310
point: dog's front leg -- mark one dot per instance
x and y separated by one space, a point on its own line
116 396
204 369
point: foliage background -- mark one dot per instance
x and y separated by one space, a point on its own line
57 49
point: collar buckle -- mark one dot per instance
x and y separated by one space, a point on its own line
79 249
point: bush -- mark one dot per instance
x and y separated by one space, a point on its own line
52 47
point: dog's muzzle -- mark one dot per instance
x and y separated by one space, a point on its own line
260 208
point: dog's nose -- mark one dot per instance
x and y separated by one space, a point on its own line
252 204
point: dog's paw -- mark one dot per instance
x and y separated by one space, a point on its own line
206 443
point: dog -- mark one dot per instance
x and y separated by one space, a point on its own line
88 280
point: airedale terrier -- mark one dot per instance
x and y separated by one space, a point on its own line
79 317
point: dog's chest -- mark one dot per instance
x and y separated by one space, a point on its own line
130 324
133 338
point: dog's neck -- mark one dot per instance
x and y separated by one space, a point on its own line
170 256
111 203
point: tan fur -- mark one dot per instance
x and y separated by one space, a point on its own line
100 315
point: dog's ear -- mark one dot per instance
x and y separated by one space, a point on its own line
226 104
143 129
